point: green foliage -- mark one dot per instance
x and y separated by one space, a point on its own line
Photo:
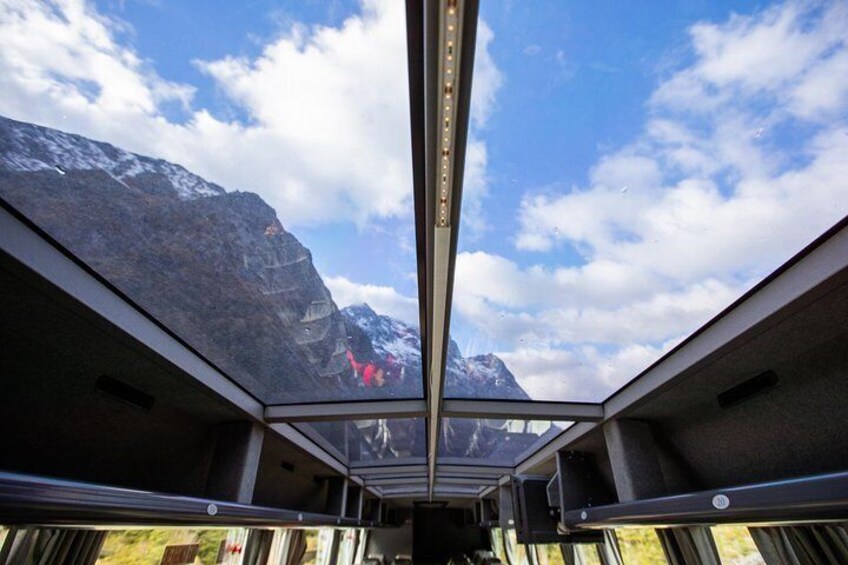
549 554
210 543
145 547
639 546
735 545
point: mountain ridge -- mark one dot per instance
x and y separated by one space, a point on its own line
220 270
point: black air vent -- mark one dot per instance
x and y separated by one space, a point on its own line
747 389
125 393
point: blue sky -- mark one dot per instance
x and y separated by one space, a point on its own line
630 171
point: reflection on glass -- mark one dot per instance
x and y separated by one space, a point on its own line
372 440
493 442
631 172
736 546
148 135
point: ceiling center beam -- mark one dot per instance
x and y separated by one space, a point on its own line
523 410
450 33
362 410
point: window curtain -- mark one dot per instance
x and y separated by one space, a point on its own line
258 547
609 552
362 545
52 546
328 547
279 547
509 548
802 545
571 554
347 547
296 547
532 556
515 554
688 546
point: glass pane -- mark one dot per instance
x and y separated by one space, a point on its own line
409 489
468 441
549 554
639 546
447 489
371 440
148 546
589 552
736 546
252 193
633 171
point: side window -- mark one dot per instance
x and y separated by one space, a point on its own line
639 546
736 546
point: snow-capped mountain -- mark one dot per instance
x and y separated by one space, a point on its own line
481 376
28 147
218 269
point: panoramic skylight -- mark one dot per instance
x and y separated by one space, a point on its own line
632 172
364 441
502 443
243 175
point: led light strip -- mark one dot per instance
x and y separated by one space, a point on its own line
449 36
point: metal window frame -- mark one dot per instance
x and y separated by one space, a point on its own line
810 269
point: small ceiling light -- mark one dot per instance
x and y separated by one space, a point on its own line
449 62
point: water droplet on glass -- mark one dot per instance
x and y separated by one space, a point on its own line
502 315
624 189
308 330
759 133
59 169
556 230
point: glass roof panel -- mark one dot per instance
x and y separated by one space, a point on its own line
235 172
399 440
632 172
469 441
421 489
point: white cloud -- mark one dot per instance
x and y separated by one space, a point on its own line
382 299
327 132
741 164
326 136
790 53
583 374
487 80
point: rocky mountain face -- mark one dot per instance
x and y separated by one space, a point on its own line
481 376
219 270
